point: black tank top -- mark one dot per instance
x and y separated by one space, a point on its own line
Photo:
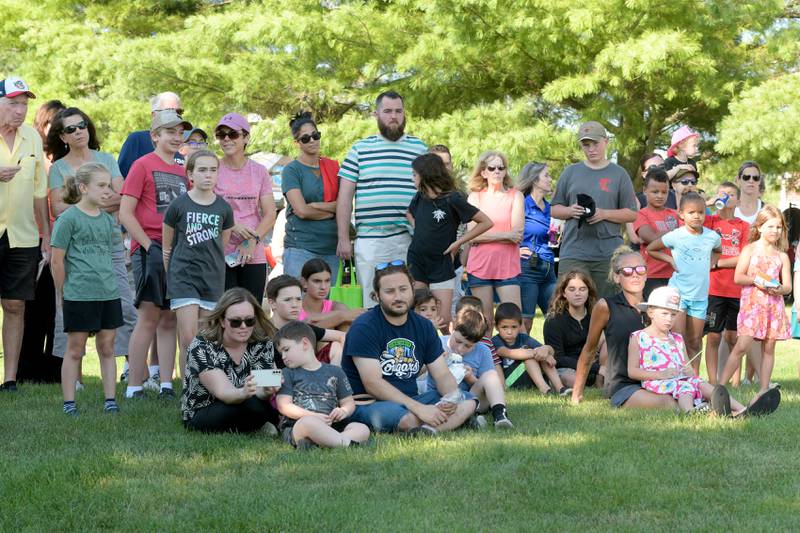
623 319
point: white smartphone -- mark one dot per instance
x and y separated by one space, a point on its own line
270 377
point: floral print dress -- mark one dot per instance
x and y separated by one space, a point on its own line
661 354
762 315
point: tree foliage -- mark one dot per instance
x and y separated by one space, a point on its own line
514 75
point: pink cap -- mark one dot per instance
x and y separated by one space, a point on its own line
234 121
680 135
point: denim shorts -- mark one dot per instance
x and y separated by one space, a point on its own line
177 303
695 308
475 281
624 394
537 281
385 416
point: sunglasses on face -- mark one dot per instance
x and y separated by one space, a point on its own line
492 169
230 134
747 177
384 266
237 322
82 125
640 270
308 137
687 182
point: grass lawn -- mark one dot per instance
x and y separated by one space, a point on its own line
563 468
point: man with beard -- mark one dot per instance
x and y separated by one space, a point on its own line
23 215
377 171
384 352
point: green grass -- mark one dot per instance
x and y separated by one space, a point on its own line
564 467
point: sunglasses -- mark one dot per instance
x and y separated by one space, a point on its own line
492 169
640 270
82 125
748 177
196 144
307 138
178 110
687 182
384 266
237 322
231 134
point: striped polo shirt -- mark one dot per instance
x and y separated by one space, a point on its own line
381 170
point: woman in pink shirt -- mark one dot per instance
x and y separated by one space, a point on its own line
493 261
247 187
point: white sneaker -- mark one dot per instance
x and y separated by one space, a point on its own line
79 386
152 384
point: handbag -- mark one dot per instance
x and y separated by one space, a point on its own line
348 294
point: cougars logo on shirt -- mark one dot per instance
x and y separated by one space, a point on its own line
399 359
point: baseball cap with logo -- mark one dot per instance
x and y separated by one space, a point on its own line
168 118
11 87
234 121
663 297
594 131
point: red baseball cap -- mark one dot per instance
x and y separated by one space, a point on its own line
11 87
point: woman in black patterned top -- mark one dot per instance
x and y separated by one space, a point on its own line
219 392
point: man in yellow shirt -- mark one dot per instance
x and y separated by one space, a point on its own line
23 217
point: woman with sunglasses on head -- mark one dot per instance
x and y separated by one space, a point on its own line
247 187
751 186
219 389
71 142
493 263
310 184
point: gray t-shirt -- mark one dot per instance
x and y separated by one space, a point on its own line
61 169
317 236
319 390
611 188
197 263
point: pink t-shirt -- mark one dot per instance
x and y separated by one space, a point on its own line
495 260
661 221
327 307
243 189
155 184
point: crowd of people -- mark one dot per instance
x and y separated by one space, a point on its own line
627 284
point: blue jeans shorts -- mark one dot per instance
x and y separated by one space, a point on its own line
695 308
385 416
475 281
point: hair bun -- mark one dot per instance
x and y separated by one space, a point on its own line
300 115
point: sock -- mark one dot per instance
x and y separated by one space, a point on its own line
125 366
130 390
498 409
153 370
69 407
166 385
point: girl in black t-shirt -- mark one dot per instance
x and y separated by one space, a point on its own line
436 212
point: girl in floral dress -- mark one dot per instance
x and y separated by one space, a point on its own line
764 270
657 355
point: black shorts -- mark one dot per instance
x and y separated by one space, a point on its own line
92 317
150 277
252 277
428 269
18 268
721 315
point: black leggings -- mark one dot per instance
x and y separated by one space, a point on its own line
252 277
219 417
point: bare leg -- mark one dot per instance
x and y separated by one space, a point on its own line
568 377
685 402
706 389
104 342
644 399
187 319
409 421
141 337
754 360
167 342
499 369
321 434
712 355
735 358
510 293
694 340
490 386
464 410
486 295
13 327
535 372
356 432
680 324
767 363
527 324
445 296
552 375
335 353
70 366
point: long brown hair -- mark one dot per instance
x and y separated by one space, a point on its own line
769 212
559 304
212 326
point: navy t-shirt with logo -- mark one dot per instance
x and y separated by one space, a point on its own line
400 350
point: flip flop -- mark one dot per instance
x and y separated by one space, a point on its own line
765 404
720 401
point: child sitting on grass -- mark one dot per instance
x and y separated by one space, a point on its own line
315 399
481 379
474 303
518 348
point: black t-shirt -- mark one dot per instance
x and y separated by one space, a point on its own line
623 320
197 263
671 162
436 223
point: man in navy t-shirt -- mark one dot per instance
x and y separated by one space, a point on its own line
384 352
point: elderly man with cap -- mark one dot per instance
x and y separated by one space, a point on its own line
595 197
23 215
154 181
138 143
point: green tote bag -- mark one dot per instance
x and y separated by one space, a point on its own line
349 294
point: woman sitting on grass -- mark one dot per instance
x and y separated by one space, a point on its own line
219 390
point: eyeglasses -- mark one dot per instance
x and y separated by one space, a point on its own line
384 266
687 182
492 169
230 134
748 177
237 322
196 144
178 110
640 270
307 138
82 125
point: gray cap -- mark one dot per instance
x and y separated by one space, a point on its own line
168 118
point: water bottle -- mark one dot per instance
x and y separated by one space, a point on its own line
721 202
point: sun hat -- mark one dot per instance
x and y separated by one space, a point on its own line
678 136
663 297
